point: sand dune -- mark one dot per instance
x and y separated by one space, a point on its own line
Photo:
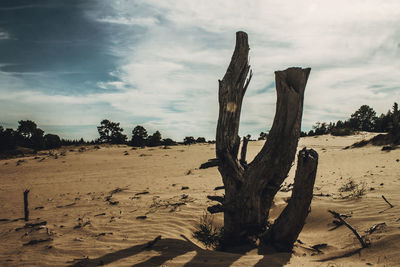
103 206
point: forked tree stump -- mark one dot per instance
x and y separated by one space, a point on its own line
250 189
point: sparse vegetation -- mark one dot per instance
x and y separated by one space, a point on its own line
208 232
110 132
364 119
139 136
355 190
189 140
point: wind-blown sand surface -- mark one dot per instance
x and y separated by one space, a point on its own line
72 194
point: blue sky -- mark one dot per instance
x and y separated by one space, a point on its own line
69 64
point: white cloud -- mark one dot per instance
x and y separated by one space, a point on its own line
348 45
142 21
4 35
169 70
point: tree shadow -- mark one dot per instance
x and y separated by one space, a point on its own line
345 255
169 248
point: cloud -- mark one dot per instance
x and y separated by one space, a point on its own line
146 22
4 35
165 57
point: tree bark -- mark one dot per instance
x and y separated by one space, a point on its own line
287 227
249 191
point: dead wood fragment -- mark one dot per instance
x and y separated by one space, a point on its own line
27 225
68 205
37 241
141 217
108 198
185 187
152 243
117 190
142 193
322 195
339 217
391 206
375 227
337 225
100 214
4 220
219 188
39 208
219 199
210 163
31 225
81 225
318 247
215 209
26 208
103 234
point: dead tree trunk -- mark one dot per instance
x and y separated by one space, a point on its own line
249 191
26 205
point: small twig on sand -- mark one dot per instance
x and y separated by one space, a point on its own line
31 225
337 216
152 243
384 198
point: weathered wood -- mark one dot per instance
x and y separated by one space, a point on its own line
215 209
286 228
210 163
26 205
375 227
384 198
250 188
231 92
219 187
244 151
337 216
219 199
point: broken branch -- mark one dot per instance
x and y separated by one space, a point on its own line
337 216
384 198
216 198
215 209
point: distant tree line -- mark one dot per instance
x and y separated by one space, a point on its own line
30 136
364 119
27 135
111 133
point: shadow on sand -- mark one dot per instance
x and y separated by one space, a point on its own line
170 248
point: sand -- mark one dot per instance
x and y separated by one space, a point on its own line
94 202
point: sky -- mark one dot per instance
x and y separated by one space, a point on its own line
67 65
